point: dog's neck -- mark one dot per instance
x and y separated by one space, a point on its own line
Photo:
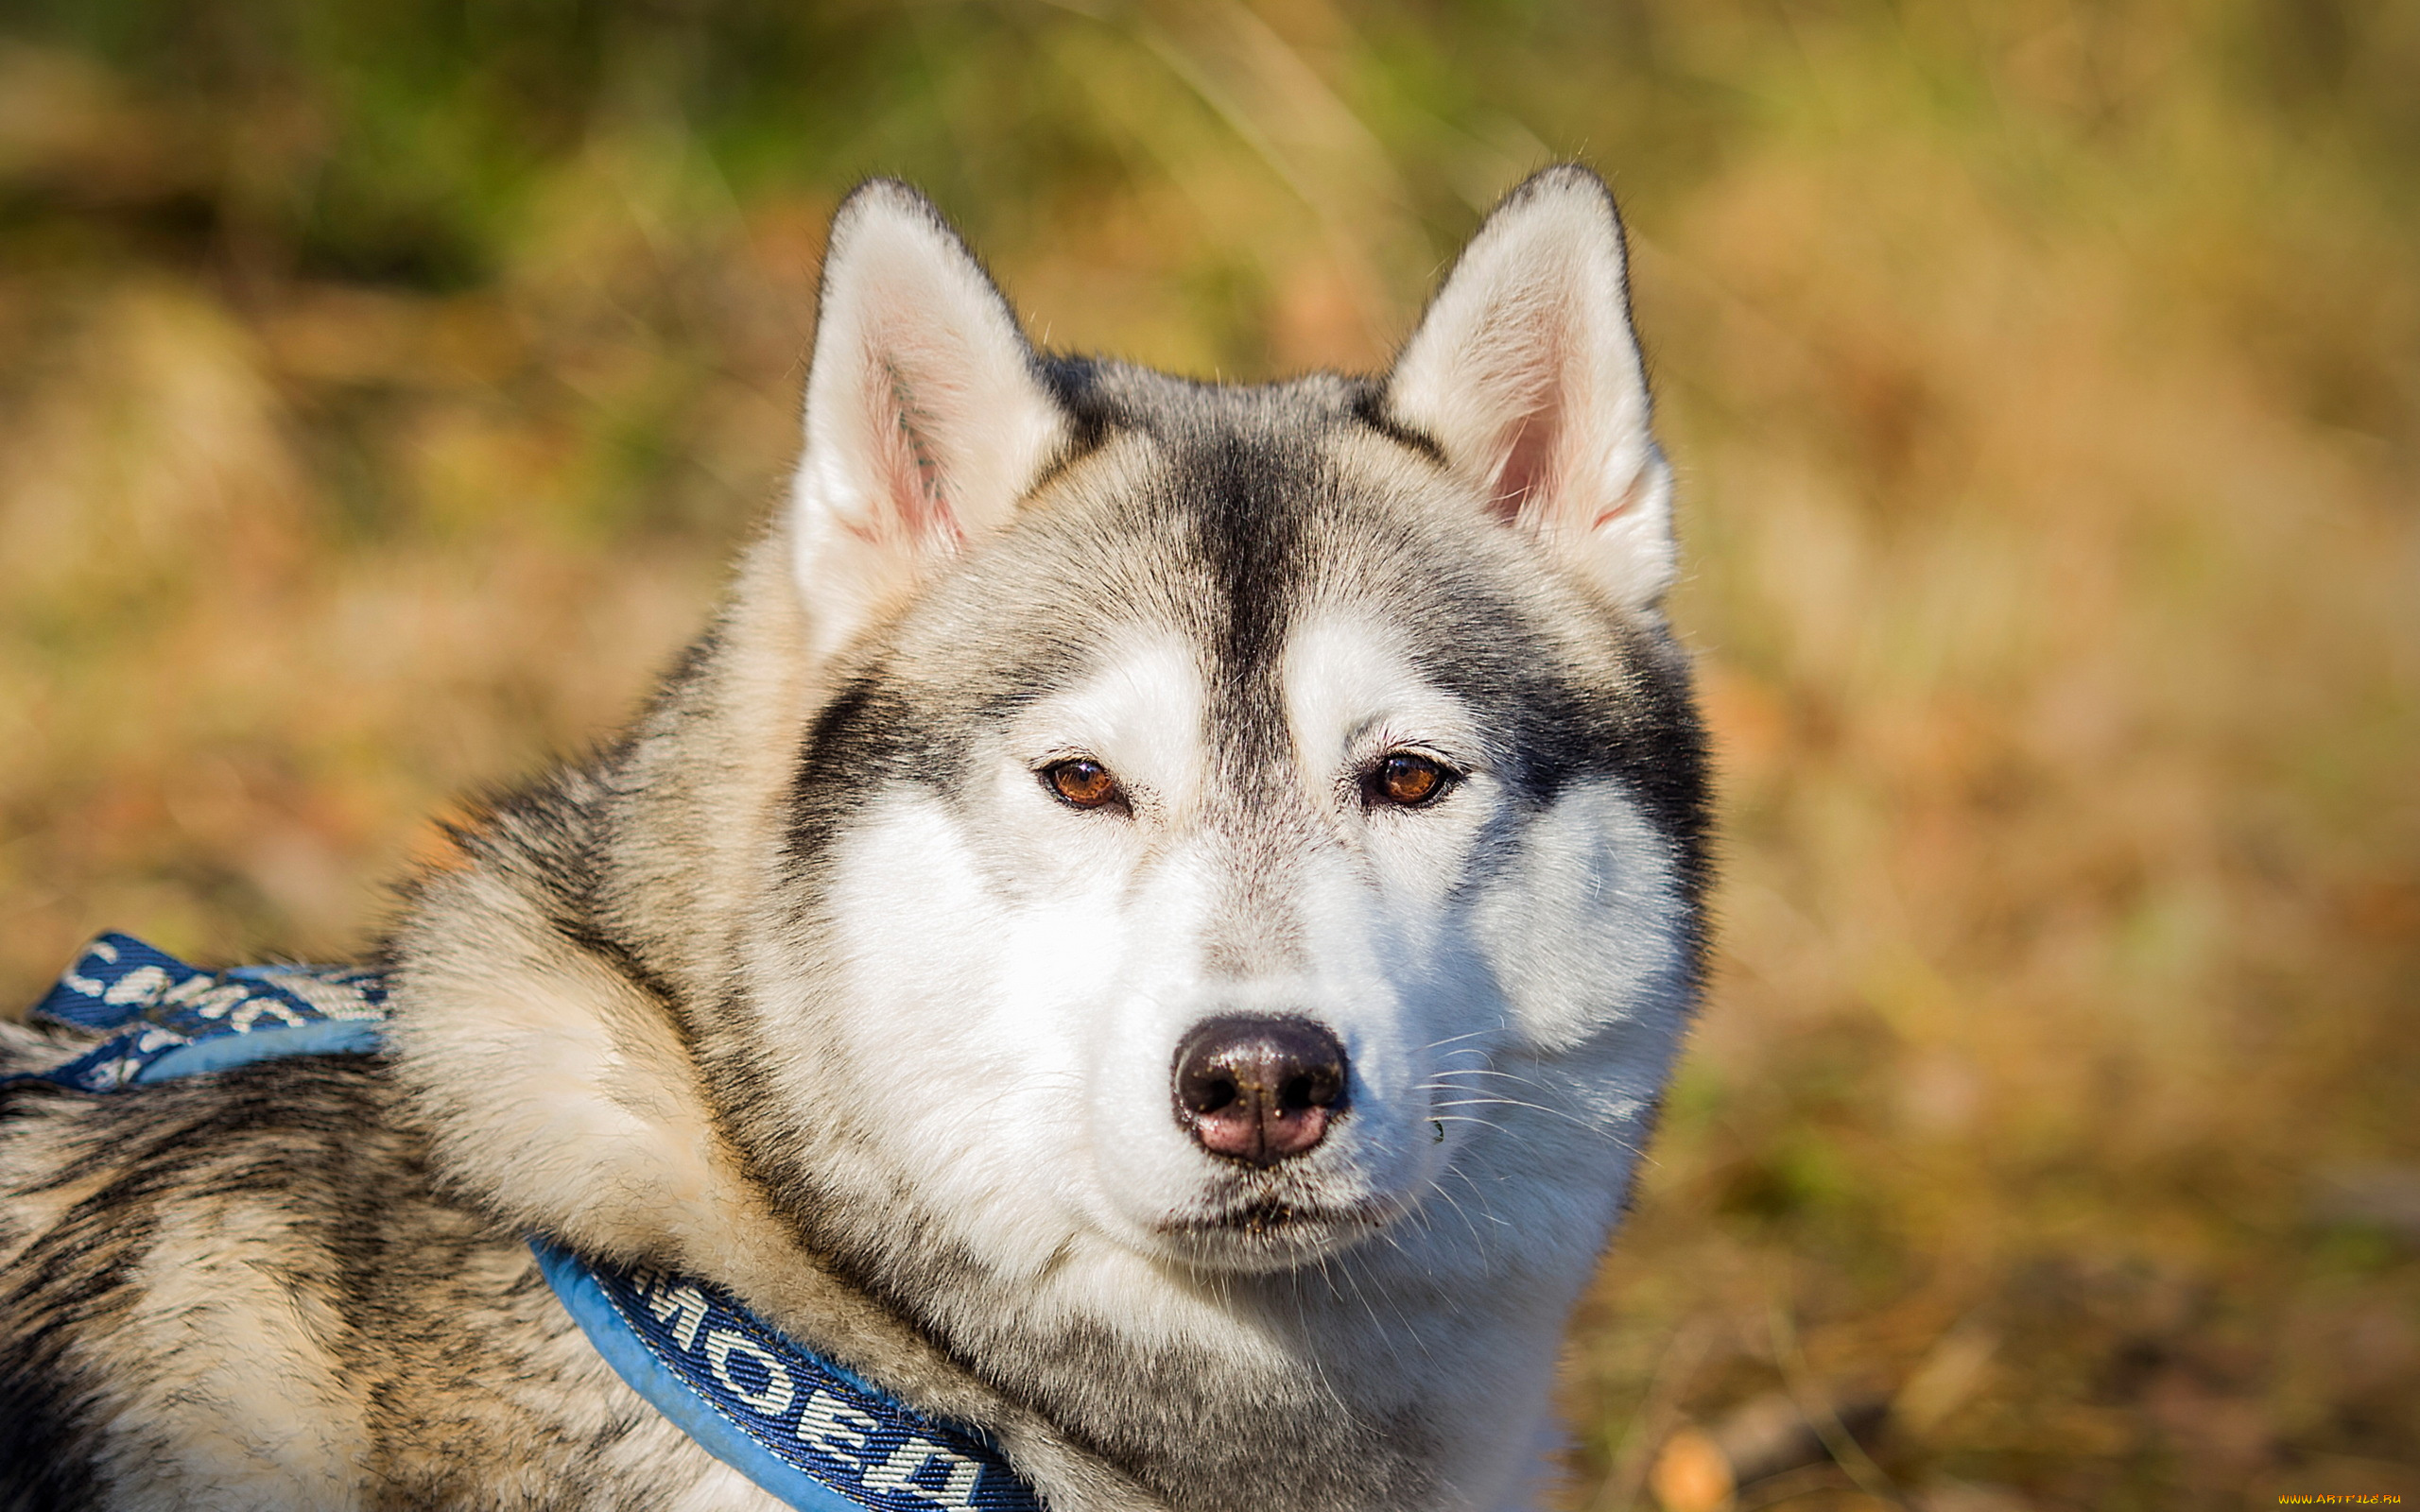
557 1036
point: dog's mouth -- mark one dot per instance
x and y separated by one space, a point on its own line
1271 1215
1265 1230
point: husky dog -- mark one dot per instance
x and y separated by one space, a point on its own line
1152 925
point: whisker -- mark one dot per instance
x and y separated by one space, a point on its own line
1516 1102
1460 1211
1465 1118
1487 1070
1453 1039
1480 1197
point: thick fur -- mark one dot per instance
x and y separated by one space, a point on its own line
808 985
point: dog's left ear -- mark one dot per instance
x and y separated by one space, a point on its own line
1526 371
927 420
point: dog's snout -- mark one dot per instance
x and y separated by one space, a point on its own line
1259 1089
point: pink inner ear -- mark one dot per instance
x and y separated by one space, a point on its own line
1532 382
1527 472
899 442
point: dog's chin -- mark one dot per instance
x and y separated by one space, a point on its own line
1263 1232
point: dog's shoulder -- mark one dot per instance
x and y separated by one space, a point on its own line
245 1288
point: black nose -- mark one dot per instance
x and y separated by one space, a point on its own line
1259 1089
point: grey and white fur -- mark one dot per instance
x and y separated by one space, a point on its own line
818 984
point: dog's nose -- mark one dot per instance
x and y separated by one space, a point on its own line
1259 1089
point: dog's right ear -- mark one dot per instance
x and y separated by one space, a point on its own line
926 415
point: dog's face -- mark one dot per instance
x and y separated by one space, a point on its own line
1237 811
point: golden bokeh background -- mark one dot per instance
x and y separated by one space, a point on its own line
384 386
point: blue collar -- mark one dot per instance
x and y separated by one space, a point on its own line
810 1433
801 1427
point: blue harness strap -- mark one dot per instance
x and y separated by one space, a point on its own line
168 1019
810 1433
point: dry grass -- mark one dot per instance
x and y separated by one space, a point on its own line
378 401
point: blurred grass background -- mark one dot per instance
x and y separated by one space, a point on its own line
383 387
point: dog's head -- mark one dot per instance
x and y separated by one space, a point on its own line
1231 810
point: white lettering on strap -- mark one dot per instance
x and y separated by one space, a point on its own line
215 1003
686 1299
138 985
91 986
774 1398
839 1430
258 1008
910 1459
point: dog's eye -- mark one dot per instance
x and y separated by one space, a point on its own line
1408 781
1082 784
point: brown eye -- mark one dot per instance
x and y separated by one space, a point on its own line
1408 781
1083 784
